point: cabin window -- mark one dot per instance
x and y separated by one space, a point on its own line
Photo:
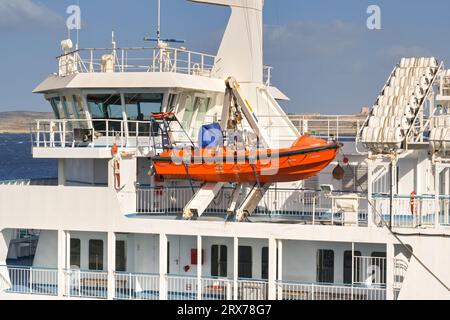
121 257
75 253
95 255
139 107
219 261
348 267
325 266
245 264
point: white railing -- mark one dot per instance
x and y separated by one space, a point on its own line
101 133
217 289
30 280
131 286
86 284
310 206
252 290
142 59
299 291
336 127
181 288
423 213
370 271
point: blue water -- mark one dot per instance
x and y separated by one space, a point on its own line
16 161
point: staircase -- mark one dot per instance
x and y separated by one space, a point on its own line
397 121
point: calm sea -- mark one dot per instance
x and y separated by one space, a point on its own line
16 161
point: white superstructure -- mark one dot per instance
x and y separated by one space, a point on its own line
376 228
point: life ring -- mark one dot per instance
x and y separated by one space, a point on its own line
412 202
117 173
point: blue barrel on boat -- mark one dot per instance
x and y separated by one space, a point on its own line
210 136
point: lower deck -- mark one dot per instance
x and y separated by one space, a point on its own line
174 267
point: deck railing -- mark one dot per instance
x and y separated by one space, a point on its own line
309 206
424 211
301 291
29 280
253 290
182 288
132 286
135 286
137 59
86 284
370 271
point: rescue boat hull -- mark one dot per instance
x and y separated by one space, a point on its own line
306 158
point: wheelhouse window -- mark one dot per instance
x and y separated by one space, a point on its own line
348 267
95 255
219 261
75 253
58 108
106 107
139 107
245 264
325 266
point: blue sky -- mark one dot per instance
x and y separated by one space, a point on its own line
323 55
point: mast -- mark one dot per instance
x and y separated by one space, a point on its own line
158 29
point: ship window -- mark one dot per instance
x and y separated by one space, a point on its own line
200 109
325 266
173 99
121 258
219 261
188 113
58 108
348 267
75 253
105 106
95 255
139 107
245 262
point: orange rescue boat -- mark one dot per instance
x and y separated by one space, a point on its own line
306 158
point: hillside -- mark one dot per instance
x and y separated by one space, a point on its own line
20 121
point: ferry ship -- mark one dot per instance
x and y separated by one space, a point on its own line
373 225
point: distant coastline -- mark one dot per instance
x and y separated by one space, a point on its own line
19 122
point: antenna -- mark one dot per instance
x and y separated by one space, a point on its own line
158 30
160 42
